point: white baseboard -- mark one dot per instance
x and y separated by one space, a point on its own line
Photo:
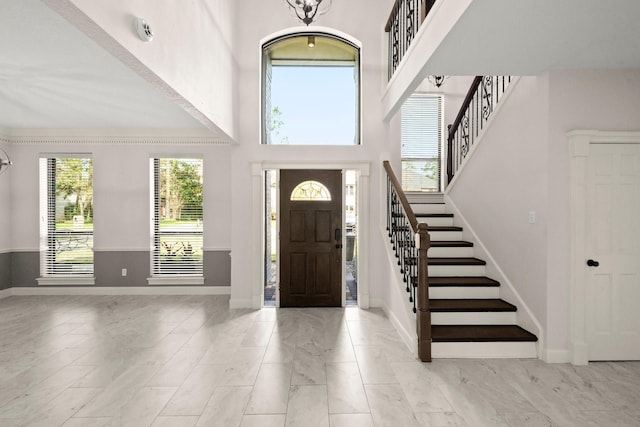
239 303
121 290
5 293
579 354
410 339
556 356
376 303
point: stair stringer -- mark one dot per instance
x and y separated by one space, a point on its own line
524 315
403 319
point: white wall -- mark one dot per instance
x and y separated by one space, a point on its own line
191 53
121 192
5 203
599 100
505 179
256 22
454 89
522 165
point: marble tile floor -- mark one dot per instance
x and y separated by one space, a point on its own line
178 361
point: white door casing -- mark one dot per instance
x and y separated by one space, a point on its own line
257 172
613 233
605 203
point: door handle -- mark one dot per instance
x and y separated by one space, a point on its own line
592 263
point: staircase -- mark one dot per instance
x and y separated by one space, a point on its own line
468 317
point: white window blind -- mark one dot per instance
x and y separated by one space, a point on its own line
177 217
421 128
66 229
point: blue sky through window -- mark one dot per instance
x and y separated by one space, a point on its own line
317 105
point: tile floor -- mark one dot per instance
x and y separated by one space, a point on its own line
190 361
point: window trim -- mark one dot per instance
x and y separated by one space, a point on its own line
269 41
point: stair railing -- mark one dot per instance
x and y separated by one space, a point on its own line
481 100
410 241
404 21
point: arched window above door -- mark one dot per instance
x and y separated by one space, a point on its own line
310 90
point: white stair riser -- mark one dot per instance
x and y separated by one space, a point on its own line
427 208
464 292
425 197
450 252
437 221
512 350
474 318
445 235
456 270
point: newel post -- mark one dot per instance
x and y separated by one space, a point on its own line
423 317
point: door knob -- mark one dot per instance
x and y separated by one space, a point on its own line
592 263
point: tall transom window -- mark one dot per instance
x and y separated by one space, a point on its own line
310 90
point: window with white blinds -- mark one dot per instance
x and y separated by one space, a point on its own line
177 220
66 207
421 128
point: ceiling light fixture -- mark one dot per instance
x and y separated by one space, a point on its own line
311 41
308 10
437 81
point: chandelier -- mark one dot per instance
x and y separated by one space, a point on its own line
308 10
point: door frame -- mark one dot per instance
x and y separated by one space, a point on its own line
580 147
258 227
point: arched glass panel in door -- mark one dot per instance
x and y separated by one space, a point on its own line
310 191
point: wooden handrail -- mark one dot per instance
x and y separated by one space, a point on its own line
465 104
478 106
392 15
420 298
403 199
403 24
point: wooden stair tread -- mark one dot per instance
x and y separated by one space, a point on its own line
456 261
429 228
443 228
462 281
451 244
480 333
470 305
434 215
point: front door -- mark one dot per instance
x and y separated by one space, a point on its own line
613 248
310 238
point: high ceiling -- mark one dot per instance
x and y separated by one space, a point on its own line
53 76
528 37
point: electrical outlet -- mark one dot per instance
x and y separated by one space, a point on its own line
532 217
124 272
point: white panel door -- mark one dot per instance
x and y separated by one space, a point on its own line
613 241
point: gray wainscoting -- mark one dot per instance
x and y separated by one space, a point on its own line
21 269
5 270
25 269
108 267
217 268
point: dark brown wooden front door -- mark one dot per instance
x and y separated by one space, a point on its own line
310 238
